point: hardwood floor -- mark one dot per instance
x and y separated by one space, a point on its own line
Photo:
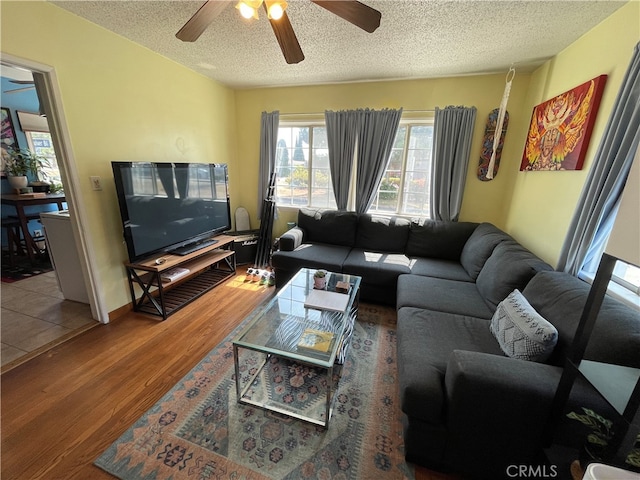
63 408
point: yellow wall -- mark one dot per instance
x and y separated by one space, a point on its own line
122 102
483 201
542 203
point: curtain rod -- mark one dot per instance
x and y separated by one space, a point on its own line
316 114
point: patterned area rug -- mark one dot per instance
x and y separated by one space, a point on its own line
198 430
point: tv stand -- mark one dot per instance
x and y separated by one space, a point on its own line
208 266
193 247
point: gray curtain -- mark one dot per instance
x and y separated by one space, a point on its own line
342 131
268 140
375 139
165 173
452 134
598 204
181 172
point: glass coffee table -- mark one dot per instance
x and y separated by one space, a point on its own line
285 330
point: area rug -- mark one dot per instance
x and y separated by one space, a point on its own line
198 430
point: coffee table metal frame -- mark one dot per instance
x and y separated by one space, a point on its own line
275 329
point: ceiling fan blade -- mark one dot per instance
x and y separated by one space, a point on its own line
287 39
200 20
355 12
22 82
17 90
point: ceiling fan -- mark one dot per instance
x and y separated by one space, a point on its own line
21 89
352 11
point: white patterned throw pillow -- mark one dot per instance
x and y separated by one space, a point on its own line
521 331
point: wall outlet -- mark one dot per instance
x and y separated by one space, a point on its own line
96 183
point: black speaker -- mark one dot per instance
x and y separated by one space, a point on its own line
245 244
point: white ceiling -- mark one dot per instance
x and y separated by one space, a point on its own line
416 38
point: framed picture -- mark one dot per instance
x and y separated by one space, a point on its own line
8 139
561 127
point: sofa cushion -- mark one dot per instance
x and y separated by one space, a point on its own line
441 295
318 255
328 226
428 339
480 246
437 239
616 334
381 234
376 268
510 266
521 331
436 267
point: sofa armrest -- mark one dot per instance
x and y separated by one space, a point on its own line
291 239
497 409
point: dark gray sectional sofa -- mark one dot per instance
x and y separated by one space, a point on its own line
468 407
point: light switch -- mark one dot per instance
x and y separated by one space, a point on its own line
96 183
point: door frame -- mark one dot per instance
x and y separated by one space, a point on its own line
46 83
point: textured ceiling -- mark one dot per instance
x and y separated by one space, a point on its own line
416 39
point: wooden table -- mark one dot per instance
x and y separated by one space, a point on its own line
19 202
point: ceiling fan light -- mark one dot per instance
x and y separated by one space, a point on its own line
275 8
249 8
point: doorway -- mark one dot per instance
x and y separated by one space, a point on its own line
44 84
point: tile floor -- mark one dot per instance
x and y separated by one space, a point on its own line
35 316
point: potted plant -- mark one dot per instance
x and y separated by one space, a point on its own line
16 168
319 279
633 459
56 188
40 184
18 164
597 442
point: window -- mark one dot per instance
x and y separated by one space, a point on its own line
304 176
42 145
302 167
406 184
198 181
624 284
627 275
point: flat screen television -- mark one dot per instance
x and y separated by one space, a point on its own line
171 207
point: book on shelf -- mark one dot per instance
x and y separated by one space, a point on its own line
324 300
316 340
174 274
